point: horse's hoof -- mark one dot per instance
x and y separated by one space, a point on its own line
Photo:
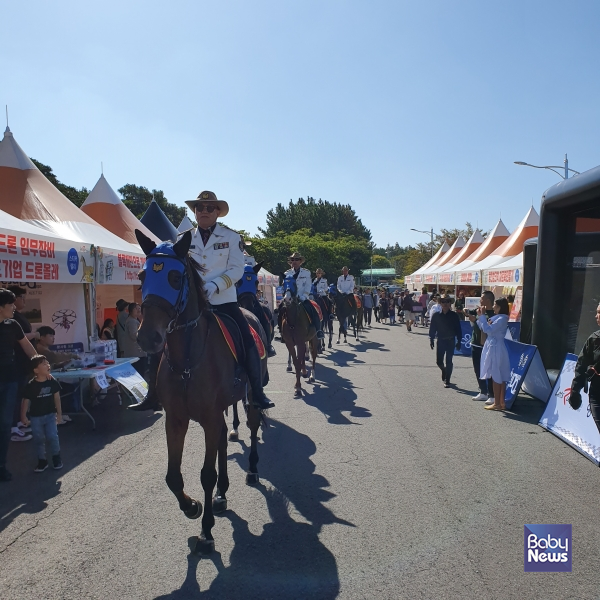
252 478
233 436
204 546
289 369
194 511
219 505
297 394
311 379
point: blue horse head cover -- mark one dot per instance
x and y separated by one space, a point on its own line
247 284
165 276
289 284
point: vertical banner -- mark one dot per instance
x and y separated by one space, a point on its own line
575 427
465 340
520 357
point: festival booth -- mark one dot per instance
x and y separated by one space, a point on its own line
419 278
467 272
157 222
446 275
267 283
439 266
106 208
502 270
31 199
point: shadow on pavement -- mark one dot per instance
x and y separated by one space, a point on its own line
29 492
526 410
287 559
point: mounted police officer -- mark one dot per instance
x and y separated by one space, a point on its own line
345 283
320 283
220 252
303 286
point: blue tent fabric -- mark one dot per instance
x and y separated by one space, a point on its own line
158 223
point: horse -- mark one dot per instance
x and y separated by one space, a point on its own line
327 323
198 376
345 310
296 331
246 295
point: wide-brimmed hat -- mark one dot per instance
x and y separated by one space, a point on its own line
207 196
296 255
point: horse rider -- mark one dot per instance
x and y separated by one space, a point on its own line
345 283
319 290
303 287
220 253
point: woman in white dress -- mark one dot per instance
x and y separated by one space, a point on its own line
494 356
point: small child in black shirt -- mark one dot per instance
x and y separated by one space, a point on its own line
41 398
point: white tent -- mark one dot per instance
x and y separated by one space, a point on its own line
185 224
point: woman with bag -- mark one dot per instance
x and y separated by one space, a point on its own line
494 356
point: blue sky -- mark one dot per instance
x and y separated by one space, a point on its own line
412 112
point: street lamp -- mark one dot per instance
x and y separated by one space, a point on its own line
426 233
551 168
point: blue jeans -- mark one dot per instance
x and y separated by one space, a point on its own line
8 399
445 346
45 429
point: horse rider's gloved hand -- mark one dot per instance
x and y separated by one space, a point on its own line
304 297
575 399
431 343
211 289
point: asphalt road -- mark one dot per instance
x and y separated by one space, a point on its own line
378 483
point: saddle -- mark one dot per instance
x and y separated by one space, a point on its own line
233 337
318 309
358 301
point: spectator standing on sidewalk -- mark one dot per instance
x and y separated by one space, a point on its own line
130 343
494 356
486 386
10 335
376 305
41 398
122 316
409 317
368 306
446 325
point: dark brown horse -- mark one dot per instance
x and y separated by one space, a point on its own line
198 377
296 332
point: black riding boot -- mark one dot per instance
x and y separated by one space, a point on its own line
253 370
314 316
150 402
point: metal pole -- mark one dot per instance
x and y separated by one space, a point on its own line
566 167
432 242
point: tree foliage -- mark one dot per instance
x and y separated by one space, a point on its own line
326 250
315 216
380 262
138 198
76 196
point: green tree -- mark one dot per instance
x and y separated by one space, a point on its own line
326 250
380 262
76 196
416 258
138 198
316 216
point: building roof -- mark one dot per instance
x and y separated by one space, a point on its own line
378 272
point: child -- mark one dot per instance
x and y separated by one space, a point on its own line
41 398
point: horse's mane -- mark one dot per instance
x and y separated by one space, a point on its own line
195 268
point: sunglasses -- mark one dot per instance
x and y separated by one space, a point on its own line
295 259
445 301
202 208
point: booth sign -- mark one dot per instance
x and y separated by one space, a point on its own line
446 278
502 276
469 277
430 278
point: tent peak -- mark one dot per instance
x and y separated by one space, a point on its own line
8 132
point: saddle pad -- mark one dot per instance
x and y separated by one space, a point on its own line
228 337
358 302
259 343
318 309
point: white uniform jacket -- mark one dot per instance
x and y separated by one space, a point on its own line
223 259
303 282
345 284
321 286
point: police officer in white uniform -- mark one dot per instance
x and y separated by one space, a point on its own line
320 283
303 287
220 251
345 283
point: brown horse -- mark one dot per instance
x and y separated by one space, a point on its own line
198 377
296 332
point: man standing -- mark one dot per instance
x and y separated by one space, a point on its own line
407 306
122 316
303 286
368 306
131 347
486 386
376 305
447 327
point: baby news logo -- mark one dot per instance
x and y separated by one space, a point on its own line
548 548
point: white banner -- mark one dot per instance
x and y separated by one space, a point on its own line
575 427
